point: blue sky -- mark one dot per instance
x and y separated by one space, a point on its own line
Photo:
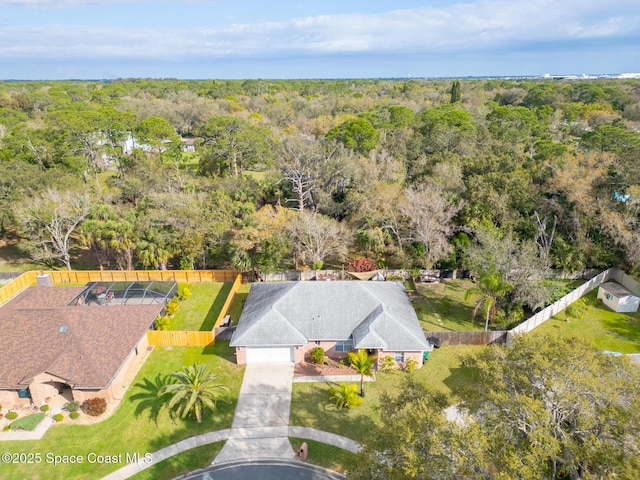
91 39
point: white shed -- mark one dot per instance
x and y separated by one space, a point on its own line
618 298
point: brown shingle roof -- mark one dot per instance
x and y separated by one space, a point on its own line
88 354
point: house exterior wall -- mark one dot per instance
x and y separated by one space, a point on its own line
44 386
329 350
129 369
417 356
241 355
9 399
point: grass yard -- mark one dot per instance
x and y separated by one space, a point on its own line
136 427
238 301
619 332
185 462
441 306
200 311
324 455
310 405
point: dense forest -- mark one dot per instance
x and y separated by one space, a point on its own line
503 177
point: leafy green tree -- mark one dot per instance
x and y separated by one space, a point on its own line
345 395
416 441
363 364
357 134
192 391
447 128
557 408
232 144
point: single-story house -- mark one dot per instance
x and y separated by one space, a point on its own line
282 321
53 343
618 298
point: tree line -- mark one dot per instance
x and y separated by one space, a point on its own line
504 177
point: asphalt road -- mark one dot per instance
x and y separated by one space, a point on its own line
283 471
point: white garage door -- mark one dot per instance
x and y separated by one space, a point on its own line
269 354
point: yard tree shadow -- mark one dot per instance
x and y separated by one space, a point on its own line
464 382
148 399
216 307
626 327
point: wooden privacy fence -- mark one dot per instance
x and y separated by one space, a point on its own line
186 276
23 281
227 304
168 338
28 279
470 338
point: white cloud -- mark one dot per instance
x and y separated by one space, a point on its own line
479 26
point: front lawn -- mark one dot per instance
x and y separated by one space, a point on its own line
618 332
200 311
135 427
327 456
310 406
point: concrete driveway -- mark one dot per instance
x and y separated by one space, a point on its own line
261 423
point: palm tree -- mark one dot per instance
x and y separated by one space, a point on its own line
491 287
194 388
362 363
345 395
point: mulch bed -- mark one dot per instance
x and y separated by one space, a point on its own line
331 367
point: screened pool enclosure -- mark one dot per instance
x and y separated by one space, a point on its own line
126 293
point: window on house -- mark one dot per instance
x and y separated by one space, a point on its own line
344 345
609 296
24 393
399 357
317 343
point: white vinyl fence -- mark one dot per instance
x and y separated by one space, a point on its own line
543 315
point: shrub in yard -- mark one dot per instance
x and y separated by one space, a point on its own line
345 395
11 415
184 292
58 417
162 323
6 428
317 355
95 406
172 307
411 365
44 408
30 422
361 264
74 415
388 365
72 406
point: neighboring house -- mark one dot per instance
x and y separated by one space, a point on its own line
283 321
188 145
78 342
618 298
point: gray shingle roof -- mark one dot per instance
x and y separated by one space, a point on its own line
616 289
377 314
